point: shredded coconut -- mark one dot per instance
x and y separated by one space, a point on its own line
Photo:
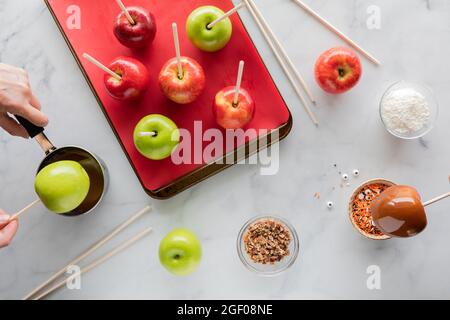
405 111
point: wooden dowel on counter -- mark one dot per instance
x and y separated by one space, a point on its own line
283 52
337 32
97 262
88 252
283 65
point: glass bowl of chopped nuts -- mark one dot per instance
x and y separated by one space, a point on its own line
359 208
268 245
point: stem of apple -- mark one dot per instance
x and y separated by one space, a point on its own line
101 66
226 15
147 134
177 50
238 83
127 14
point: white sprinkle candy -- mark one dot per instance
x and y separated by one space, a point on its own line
405 111
345 177
356 172
330 204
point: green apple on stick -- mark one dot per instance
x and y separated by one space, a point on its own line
62 186
207 38
156 136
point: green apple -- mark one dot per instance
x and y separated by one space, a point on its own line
62 186
204 38
156 136
180 252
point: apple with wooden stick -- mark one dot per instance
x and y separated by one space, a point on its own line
233 106
400 212
209 28
62 186
181 79
125 78
156 137
135 27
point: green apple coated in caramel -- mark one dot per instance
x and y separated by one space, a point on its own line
62 186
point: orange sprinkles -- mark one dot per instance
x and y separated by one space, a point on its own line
361 207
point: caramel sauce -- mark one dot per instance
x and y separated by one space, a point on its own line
399 212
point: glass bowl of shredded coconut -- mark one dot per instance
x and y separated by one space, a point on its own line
408 110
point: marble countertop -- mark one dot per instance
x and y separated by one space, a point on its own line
334 259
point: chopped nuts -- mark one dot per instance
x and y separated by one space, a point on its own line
361 208
267 241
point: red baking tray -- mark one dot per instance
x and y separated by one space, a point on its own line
163 179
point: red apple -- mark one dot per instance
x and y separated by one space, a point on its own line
338 70
231 116
139 34
185 89
134 79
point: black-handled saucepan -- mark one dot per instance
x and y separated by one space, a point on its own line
94 166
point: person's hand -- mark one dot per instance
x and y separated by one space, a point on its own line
16 98
8 229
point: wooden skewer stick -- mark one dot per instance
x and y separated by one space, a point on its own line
97 262
89 251
127 14
101 66
147 134
283 65
436 199
19 213
283 52
177 49
238 83
337 32
226 15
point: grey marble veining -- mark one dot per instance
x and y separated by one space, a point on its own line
412 45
